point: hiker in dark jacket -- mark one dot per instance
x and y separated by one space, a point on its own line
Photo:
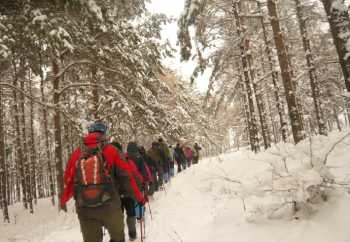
166 159
154 153
177 160
172 163
188 154
138 165
196 149
180 157
134 154
151 171
128 203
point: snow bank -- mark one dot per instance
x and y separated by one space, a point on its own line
212 201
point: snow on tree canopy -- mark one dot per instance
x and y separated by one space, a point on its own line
339 5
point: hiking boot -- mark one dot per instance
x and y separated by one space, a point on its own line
132 235
131 223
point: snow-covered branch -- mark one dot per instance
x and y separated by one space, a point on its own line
30 97
334 146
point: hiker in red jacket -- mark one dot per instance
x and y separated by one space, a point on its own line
189 155
95 175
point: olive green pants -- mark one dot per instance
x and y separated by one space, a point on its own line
109 216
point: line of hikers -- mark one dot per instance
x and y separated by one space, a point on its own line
105 181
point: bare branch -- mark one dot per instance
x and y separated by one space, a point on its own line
30 97
67 67
87 62
37 101
78 85
333 147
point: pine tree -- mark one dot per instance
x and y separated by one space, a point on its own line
289 86
253 129
315 89
3 185
339 22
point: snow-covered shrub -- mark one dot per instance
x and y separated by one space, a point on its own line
289 194
296 184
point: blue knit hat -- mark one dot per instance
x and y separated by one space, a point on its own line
97 127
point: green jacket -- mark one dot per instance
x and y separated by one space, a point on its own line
155 156
164 148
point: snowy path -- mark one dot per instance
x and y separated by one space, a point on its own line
200 207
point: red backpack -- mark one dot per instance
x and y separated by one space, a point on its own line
93 182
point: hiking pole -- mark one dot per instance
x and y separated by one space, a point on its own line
141 226
144 226
144 221
163 186
150 211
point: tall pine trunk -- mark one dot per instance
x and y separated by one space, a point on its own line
19 144
47 141
58 132
3 168
33 157
253 128
338 18
315 89
95 98
336 118
265 131
269 105
294 115
245 109
27 165
274 76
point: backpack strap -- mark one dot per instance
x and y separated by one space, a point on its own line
112 169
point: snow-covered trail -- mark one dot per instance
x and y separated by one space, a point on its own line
200 206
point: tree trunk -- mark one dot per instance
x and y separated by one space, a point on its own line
265 131
330 124
47 144
3 168
27 170
58 135
33 157
17 172
41 177
274 75
294 114
66 139
338 18
336 118
245 110
253 129
19 145
9 182
95 98
348 111
221 100
322 129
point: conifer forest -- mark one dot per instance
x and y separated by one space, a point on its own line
279 73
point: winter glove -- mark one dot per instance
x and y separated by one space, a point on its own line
139 211
143 186
146 198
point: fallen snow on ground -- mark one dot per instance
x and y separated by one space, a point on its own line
204 203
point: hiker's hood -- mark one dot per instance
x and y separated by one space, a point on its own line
92 139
